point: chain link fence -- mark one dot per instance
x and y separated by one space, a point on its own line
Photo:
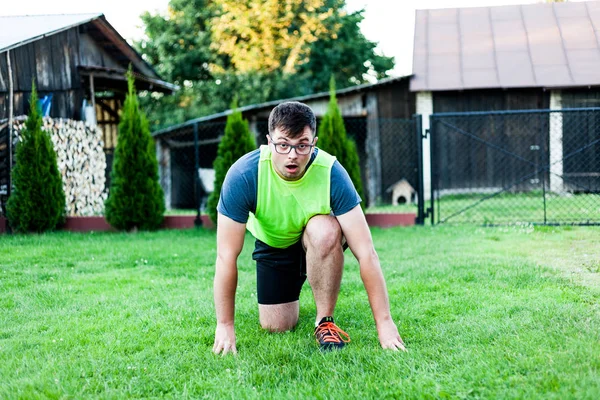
389 173
538 166
506 167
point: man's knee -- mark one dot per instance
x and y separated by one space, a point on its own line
279 317
277 326
323 232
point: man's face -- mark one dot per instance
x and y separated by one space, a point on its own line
291 166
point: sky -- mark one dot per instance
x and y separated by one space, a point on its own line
390 23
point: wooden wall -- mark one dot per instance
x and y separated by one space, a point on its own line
395 100
53 62
468 148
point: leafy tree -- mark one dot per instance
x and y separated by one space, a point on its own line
236 142
178 44
37 203
268 35
333 139
346 54
135 200
261 50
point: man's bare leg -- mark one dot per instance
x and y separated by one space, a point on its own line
322 240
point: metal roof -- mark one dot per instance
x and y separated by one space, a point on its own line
537 45
271 104
16 31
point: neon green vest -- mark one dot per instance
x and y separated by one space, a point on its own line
283 208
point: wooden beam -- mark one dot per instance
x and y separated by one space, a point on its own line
106 107
92 91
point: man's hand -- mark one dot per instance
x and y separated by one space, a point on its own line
389 336
224 339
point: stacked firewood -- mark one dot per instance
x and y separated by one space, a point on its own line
81 161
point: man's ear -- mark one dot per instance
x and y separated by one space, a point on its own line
315 140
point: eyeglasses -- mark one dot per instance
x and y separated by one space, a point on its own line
302 149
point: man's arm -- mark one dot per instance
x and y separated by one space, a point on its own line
230 240
358 236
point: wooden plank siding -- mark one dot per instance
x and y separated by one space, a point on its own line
469 164
582 167
52 62
395 100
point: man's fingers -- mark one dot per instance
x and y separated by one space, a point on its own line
225 348
217 347
395 345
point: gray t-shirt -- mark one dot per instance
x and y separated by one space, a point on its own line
240 188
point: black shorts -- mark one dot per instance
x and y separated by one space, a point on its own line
280 273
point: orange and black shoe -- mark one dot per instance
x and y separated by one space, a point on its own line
329 336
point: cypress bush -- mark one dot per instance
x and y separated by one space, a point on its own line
135 200
236 142
37 203
333 139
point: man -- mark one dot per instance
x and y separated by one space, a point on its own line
302 208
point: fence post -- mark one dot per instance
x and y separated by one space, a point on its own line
418 127
432 166
198 220
10 132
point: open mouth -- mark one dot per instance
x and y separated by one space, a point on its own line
291 168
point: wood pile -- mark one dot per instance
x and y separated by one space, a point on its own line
81 161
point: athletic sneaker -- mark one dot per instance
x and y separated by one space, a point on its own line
329 336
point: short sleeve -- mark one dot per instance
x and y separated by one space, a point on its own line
344 196
238 193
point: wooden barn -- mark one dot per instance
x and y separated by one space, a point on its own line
72 58
517 57
377 116
465 60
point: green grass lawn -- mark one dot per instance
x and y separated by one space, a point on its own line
524 207
507 312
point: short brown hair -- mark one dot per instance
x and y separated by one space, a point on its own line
291 118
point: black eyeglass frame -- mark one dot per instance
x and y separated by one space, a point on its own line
292 147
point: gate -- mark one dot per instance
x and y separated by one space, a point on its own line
516 167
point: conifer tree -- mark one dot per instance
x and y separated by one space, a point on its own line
135 200
236 142
37 203
333 139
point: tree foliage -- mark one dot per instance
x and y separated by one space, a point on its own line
135 200
257 50
333 139
269 35
236 142
37 203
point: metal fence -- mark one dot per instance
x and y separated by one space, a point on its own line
530 166
186 157
505 167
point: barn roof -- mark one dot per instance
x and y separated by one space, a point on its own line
271 104
549 45
17 31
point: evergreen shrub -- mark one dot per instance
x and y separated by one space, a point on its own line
334 140
135 199
37 202
236 142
